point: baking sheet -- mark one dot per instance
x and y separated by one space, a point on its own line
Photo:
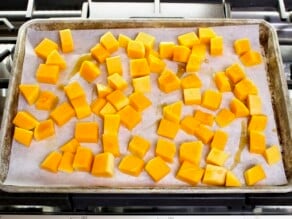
29 158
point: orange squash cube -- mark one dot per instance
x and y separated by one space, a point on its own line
135 49
251 58
89 71
118 99
235 73
66 163
147 39
272 154
224 117
168 81
167 128
190 173
139 101
242 46
219 140
116 81
81 107
214 175
111 124
188 39
123 40
66 39
257 142
172 112
97 105
83 159
103 90
130 117
70 146
191 152
165 149
45 47
139 67
103 165
217 157
74 90
166 50
47 74
23 136
109 42
211 99
99 53
139 146
131 165
222 82
232 180
194 63
25 120
206 34
254 104
243 88
156 65
107 109
204 117
142 84
114 65
86 132
62 113
238 108
254 174
181 53
44 130
258 123
52 161
204 133
47 101
54 58
157 168
216 46
191 81
30 92
110 144
200 51
188 124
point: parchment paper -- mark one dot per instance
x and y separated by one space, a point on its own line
24 163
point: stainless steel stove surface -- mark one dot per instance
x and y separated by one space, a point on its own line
13 13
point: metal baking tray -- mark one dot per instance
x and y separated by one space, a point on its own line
278 87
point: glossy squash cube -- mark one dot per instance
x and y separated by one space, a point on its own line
156 65
206 34
257 142
189 124
211 99
235 73
173 111
139 146
245 87
110 143
52 161
107 109
204 133
214 175
191 152
139 67
130 118
232 180
111 124
238 108
222 82
48 74
30 92
66 39
114 65
97 105
70 146
254 174
62 113
116 81
272 155
118 99
135 49
224 117
123 40
190 173
188 39
251 58
216 46
157 168
23 136
83 159
66 163
257 123
165 149
242 46
168 81
192 96
99 53
86 132
147 39
81 107
109 42
131 165
103 165
142 84
181 54
74 90
44 130
139 101
103 90
45 47
219 140
54 58
89 71
25 120
254 104
200 51
167 128
204 117
217 157
47 101
166 50
191 81
194 63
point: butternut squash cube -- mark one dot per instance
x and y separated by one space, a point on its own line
251 58
110 144
131 165
97 105
103 90
74 90
172 112
214 175
166 50
109 42
130 117
254 174
222 82
194 63
123 40
46 101
66 163
243 88
30 92
111 124
165 149
89 71
142 84
118 99
103 165
216 46
86 132
47 74
258 123
44 130
188 39
147 39
219 140
204 117
188 124
117 82
157 168
238 108
181 53
272 154
139 146
139 67
54 58
114 65
139 101
45 47
191 81
99 53
254 104
190 173
135 49
242 46
70 146
206 34
156 65
25 120
217 157
107 109
23 136
81 107
235 73
52 161
191 152
257 142
83 159
167 128
224 117
168 81
211 99
204 133
200 51
62 113
232 180
66 39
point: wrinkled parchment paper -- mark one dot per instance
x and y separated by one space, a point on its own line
24 163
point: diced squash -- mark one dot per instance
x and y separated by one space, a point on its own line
188 39
272 154
130 117
70 146
242 46
238 108
123 40
47 74
257 142
139 67
86 132
44 130
254 174
147 39
81 107
219 140
214 175
110 144
99 53
89 71
111 124
181 53
211 99
157 168
245 87
200 51
224 117
74 90
114 65
25 120
103 165
139 146
188 124
194 63
66 39
83 159
167 128
166 50
254 104
116 81
52 161
142 84
45 47
135 49
206 34
204 133
204 117
258 123
118 99
30 92
139 101
216 46
191 81
47 101
191 152
107 109
190 173
131 165
217 157
165 149
156 65
232 180
222 82
23 136
97 105
66 163
103 90
62 113
168 81
109 42
251 58
54 58
173 111
235 73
